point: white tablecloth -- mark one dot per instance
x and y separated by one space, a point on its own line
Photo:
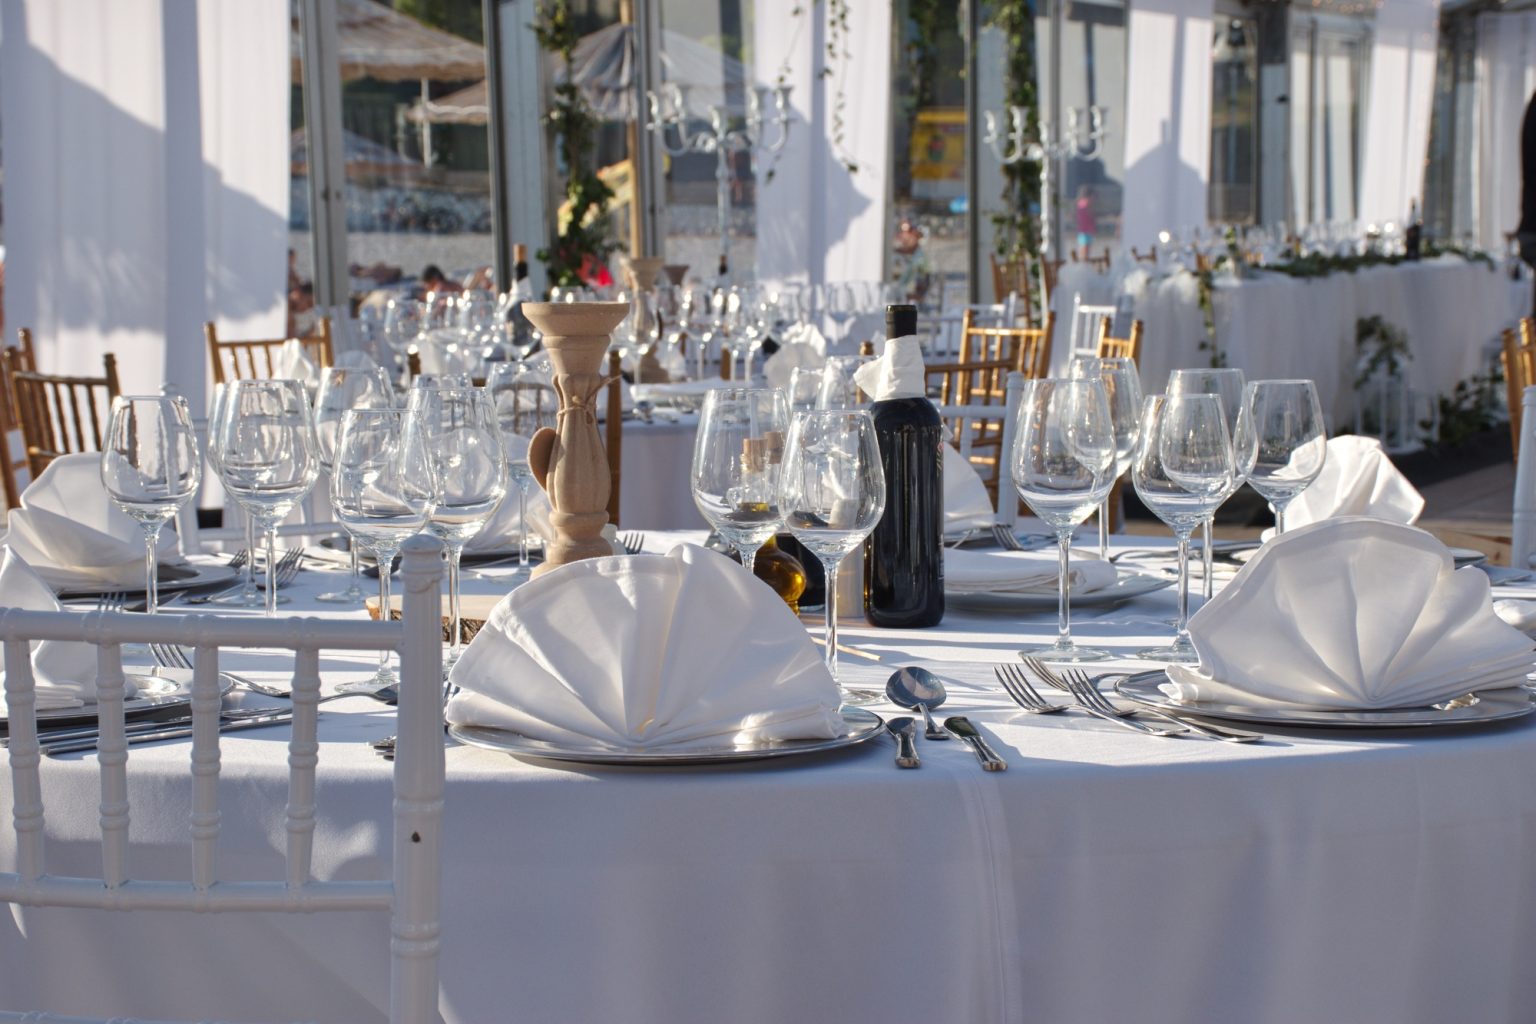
1104 877
656 457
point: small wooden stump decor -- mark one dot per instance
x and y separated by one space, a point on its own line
569 461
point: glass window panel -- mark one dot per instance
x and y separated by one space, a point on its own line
1234 120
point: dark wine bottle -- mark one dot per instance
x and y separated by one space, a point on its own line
1413 237
904 555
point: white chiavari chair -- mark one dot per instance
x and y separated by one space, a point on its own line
941 332
1087 326
970 417
411 895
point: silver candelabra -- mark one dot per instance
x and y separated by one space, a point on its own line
669 110
1080 142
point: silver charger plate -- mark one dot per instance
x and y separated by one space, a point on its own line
202 576
1125 587
158 689
1461 557
1482 706
862 726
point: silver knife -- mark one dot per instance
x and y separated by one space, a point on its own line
175 732
905 731
961 726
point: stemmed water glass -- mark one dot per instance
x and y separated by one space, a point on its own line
1182 471
832 492
1280 442
381 490
457 428
1227 384
341 389
151 467
247 596
525 402
402 326
1122 385
1063 466
269 458
736 454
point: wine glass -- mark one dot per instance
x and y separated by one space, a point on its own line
804 387
343 388
402 325
1182 470
1122 385
248 596
736 454
838 390
832 492
1227 383
380 491
457 429
269 457
525 402
151 467
1063 466
1281 442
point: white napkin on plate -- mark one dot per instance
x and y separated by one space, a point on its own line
1350 614
293 363
64 673
626 399
967 506
1020 572
802 345
501 531
1358 479
649 652
70 532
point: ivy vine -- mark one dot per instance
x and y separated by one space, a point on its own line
1379 346
1017 227
837 52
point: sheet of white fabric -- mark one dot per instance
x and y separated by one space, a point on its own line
1398 99
1167 118
152 152
1104 877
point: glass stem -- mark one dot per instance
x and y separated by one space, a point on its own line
272 569
455 551
831 585
151 582
1104 530
249 596
522 525
354 584
386 559
749 558
1207 582
1064 590
1279 518
1181 634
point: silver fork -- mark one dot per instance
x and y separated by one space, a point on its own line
632 543
1079 681
288 566
111 601
1040 669
1023 693
1005 538
171 656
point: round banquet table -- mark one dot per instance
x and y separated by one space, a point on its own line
1106 876
655 490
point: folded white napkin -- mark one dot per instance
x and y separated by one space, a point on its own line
802 345
70 532
646 652
63 673
293 363
1020 572
1358 479
1520 614
504 527
895 373
967 506
1349 614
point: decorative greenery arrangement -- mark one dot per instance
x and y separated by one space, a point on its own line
582 244
1471 408
839 31
1381 346
1321 265
1017 228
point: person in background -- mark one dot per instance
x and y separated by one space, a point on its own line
1525 234
911 267
432 280
1087 224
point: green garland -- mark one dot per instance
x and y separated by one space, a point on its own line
584 241
1388 347
1017 227
1321 265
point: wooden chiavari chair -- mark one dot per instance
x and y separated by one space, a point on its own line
1014 277
242 360
1150 256
12 459
1128 347
60 414
613 434
1519 359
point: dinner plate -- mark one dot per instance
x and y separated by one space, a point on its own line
1126 586
862 725
1461 556
164 688
1482 706
202 576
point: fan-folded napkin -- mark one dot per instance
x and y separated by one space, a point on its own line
646 651
1351 614
1357 479
967 506
64 673
1020 572
803 346
70 532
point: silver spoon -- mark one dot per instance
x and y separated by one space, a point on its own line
916 688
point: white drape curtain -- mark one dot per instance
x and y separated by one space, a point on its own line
1167 118
1506 78
1400 96
146 146
817 222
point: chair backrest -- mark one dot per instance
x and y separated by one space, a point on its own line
941 331
613 431
13 456
1088 324
411 895
1128 347
60 414
260 359
1004 420
1150 256
1519 359
1522 540
1012 277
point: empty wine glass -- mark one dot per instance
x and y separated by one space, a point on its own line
832 492
1063 466
1122 385
269 458
1227 384
151 467
457 427
343 388
247 596
736 456
1182 471
525 402
381 490
402 326
1281 442
804 387
838 390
